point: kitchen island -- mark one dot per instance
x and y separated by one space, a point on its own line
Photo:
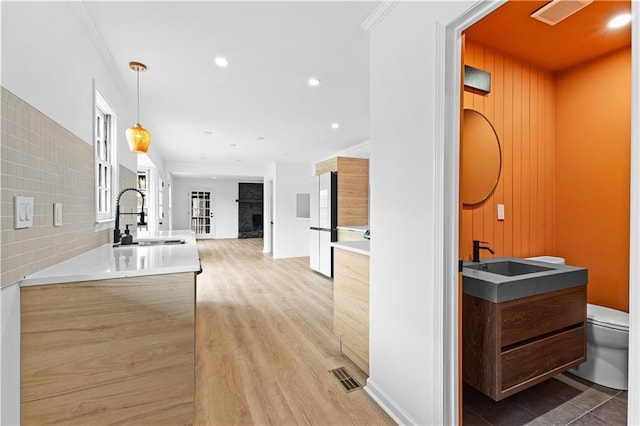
109 336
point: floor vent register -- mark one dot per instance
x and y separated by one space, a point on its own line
349 383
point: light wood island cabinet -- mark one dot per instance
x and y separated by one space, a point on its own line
108 337
109 351
351 301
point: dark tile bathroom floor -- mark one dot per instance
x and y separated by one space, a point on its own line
563 400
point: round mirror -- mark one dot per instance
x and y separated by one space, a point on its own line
481 159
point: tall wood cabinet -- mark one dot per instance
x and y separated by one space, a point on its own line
351 268
353 188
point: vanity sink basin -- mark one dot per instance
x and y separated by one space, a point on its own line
509 268
508 278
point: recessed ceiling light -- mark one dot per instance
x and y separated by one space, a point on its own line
619 21
214 177
313 82
260 139
335 126
221 62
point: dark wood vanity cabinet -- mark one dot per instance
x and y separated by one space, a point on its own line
510 346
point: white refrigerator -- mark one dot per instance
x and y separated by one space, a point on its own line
323 216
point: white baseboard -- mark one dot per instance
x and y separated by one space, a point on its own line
397 414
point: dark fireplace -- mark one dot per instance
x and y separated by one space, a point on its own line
250 209
257 222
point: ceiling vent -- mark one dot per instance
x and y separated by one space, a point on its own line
557 10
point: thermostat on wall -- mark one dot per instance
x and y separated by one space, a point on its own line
23 212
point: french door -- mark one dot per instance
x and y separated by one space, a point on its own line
201 213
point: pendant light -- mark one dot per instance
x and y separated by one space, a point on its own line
137 136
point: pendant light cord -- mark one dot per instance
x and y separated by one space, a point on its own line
138 86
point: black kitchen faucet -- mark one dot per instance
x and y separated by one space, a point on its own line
116 231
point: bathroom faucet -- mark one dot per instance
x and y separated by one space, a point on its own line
477 247
116 231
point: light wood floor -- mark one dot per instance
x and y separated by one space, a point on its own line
264 343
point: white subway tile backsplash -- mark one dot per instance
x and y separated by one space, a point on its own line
40 158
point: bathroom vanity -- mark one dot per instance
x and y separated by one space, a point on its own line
522 323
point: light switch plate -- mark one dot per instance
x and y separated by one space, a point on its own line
23 212
500 211
57 214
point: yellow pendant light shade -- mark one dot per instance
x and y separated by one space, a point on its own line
137 136
139 139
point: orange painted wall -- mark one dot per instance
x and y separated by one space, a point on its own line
521 109
592 169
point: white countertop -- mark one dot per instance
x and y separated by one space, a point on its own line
107 262
360 247
357 228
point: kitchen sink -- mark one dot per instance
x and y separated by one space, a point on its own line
508 268
153 242
158 242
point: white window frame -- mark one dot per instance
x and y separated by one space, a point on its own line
104 216
160 200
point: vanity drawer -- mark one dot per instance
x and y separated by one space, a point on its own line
543 357
534 316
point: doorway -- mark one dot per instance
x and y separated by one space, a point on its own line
201 213
451 53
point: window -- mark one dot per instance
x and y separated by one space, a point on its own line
106 164
142 186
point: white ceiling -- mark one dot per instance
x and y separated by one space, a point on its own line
273 48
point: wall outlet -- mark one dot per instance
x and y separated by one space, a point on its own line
57 214
23 212
500 211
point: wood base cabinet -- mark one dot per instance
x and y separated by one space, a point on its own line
112 351
510 346
351 305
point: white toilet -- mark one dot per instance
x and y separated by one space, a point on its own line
607 343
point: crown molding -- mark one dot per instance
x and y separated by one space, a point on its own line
379 14
94 35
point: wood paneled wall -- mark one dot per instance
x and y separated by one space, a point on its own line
521 109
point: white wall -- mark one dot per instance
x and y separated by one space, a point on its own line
405 342
225 207
49 60
290 234
10 356
269 185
